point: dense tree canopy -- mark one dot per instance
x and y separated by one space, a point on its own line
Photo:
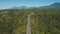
44 21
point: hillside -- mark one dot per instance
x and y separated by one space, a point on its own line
44 21
54 5
57 5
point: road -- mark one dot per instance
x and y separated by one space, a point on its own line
28 26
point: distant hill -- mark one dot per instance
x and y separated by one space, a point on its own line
54 5
21 7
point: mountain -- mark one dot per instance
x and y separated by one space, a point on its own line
21 7
54 5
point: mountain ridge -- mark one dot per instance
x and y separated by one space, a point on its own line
54 5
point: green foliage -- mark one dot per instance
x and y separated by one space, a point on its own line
44 21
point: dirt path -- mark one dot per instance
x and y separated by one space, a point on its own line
28 26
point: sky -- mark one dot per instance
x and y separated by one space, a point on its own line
4 4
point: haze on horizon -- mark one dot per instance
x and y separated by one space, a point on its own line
4 4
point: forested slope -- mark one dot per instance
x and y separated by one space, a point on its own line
44 21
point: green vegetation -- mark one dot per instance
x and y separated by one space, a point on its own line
44 21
